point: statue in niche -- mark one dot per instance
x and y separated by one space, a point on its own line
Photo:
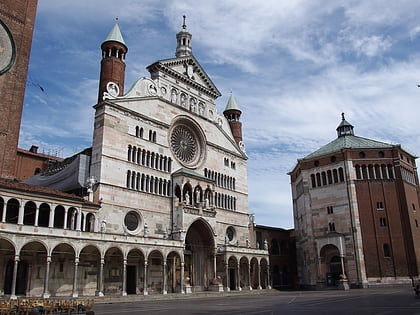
103 226
197 196
192 105
187 198
173 96
265 245
183 100
201 108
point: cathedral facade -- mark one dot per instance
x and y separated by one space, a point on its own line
165 194
355 203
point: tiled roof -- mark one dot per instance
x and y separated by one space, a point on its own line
15 185
348 142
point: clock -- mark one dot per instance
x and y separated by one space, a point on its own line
7 49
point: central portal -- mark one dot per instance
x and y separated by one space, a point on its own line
199 255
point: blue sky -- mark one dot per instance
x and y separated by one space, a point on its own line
293 67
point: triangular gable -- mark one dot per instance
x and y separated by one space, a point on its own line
189 71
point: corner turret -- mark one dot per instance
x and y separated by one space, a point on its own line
112 64
233 115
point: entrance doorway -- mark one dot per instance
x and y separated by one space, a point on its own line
131 279
199 247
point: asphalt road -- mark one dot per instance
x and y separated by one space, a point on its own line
396 300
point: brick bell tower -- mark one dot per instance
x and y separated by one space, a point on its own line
111 80
233 115
17 19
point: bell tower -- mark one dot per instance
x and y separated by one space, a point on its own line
233 115
17 19
112 64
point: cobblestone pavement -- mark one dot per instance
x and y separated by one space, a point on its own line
390 300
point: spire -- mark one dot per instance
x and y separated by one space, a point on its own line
344 128
115 35
183 39
231 104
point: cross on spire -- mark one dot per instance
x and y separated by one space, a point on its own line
184 26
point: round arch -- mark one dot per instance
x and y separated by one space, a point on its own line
89 270
135 271
199 248
331 264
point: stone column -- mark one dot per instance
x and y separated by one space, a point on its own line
215 264
76 265
14 277
164 278
249 276
259 276
65 218
79 220
238 282
21 213
52 214
268 277
101 278
182 278
36 215
46 293
227 276
124 282
83 222
3 217
145 292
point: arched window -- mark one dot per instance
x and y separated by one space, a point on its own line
29 213
341 174
134 154
137 131
44 215
329 177
335 176
128 179
313 181
378 172
129 153
391 171
59 217
370 171
318 179
358 173
324 178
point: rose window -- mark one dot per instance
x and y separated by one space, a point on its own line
187 142
184 144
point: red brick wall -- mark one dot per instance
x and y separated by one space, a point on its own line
19 17
375 236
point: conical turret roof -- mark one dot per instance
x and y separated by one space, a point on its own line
115 35
231 104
